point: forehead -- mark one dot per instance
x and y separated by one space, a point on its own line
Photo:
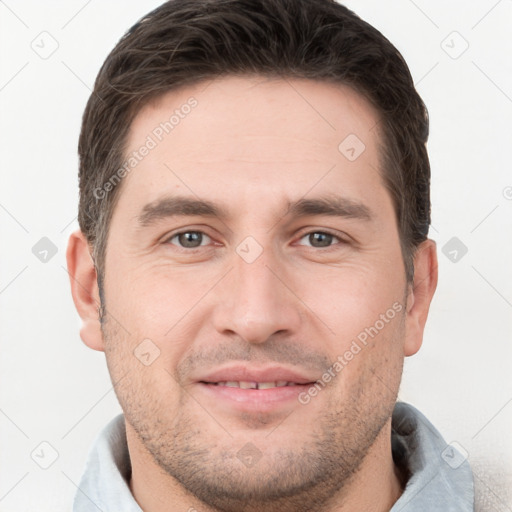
253 135
251 106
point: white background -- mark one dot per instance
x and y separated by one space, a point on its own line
54 389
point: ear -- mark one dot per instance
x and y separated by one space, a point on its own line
84 288
420 295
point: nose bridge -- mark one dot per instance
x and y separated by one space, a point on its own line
254 303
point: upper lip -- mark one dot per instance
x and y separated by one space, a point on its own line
251 374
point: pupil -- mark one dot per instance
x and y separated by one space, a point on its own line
190 239
324 239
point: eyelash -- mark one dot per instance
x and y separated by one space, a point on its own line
304 234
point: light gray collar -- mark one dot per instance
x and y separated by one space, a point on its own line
441 477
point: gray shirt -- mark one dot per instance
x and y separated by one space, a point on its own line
439 476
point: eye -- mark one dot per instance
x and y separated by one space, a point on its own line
320 239
189 239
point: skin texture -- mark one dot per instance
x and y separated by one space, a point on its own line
252 145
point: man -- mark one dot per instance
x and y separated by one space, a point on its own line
253 260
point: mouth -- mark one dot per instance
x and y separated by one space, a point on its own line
253 385
250 389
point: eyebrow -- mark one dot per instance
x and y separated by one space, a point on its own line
171 206
334 206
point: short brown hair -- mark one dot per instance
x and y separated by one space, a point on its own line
184 42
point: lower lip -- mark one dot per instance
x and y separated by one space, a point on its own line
255 399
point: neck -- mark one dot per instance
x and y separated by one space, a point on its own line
375 487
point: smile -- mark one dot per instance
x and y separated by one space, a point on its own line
253 385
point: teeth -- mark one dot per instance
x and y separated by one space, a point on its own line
248 385
255 385
268 385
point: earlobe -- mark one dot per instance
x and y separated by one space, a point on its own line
420 295
84 289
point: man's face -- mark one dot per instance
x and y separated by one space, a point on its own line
267 292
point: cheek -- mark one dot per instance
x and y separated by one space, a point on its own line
154 300
372 360
140 372
351 300
364 314
162 309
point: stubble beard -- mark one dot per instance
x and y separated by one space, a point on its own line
309 478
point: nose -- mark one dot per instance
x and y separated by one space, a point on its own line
256 300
